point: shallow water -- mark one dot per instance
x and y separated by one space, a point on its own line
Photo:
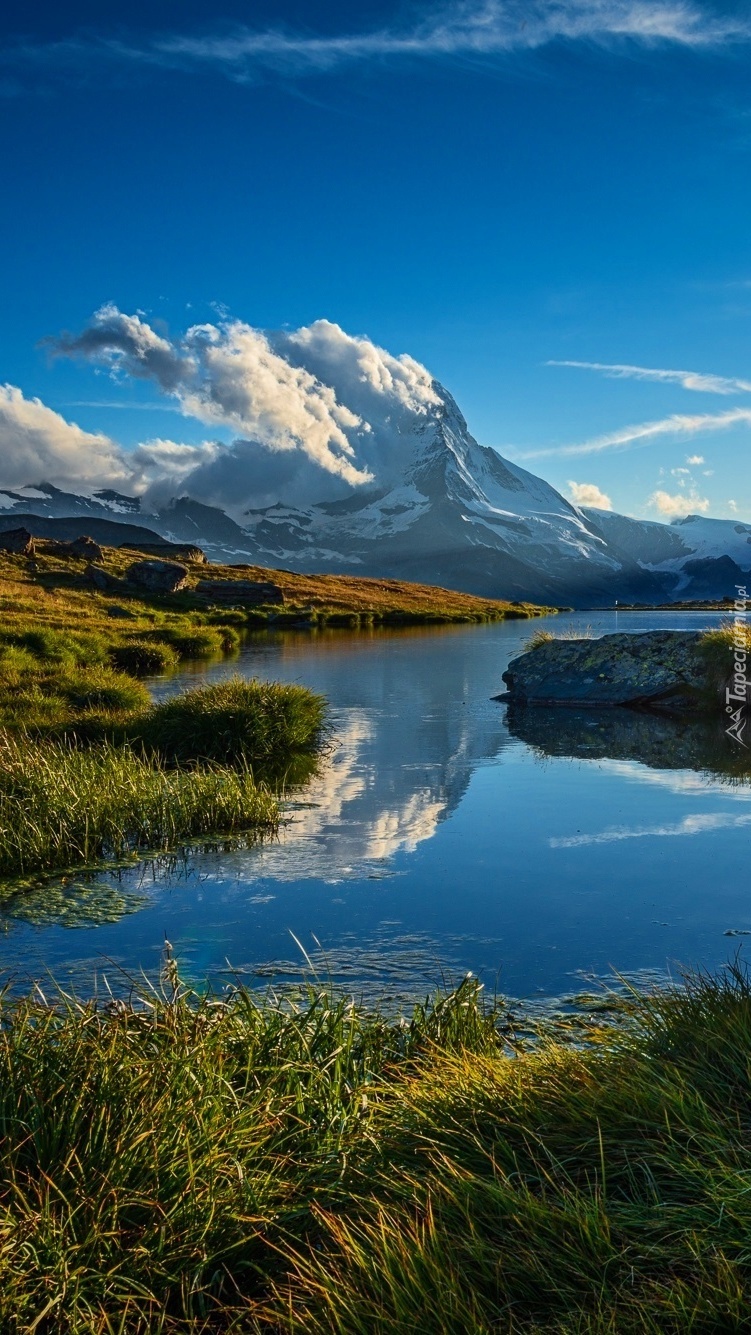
443 834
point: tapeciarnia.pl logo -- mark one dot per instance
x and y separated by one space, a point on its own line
736 694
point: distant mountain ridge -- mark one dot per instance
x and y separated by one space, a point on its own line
442 509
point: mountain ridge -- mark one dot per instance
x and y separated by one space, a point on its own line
443 509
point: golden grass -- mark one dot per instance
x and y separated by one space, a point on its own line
54 592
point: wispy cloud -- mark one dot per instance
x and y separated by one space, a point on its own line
476 28
698 824
695 380
143 407
679 424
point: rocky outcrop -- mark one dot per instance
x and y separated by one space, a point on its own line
178 551
84 547
18 541
245 592
658 669
158 576
101 580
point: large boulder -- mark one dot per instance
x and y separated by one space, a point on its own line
245 592
658 669
101 579
18 541
84 547
158 576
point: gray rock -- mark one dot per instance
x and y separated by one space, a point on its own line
18 541
158 576
178 551
100 579
658 669
85 547
120 613
246 592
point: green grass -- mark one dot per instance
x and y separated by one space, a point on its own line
259 723
144 658
717 647
190 1165
542 636
203 641
62 807
47 693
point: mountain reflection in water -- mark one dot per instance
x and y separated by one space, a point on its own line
442 832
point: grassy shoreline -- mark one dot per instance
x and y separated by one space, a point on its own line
207 762
71 652
220 1164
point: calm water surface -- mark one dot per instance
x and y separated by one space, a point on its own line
443 834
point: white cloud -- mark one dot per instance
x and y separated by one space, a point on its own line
308 391
487 28
473 29
587 493
694 459
679 424
700 823
38 444
733 505
675 507
695 380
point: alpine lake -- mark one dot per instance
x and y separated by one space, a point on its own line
553 853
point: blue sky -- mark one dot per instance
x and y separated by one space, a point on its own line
488 187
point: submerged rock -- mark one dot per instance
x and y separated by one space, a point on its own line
657 669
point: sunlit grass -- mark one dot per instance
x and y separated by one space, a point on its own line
542 635
62 806
718 649
261 723
233 1164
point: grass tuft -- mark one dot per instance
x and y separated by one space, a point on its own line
182 1164
258 723
62 807
144 658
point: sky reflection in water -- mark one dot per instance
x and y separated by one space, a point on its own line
442 834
